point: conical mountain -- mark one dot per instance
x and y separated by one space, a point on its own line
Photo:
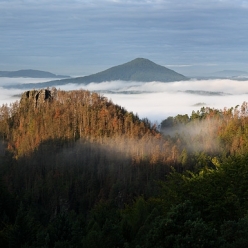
140 70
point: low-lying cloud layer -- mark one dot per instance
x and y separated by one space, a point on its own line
155 100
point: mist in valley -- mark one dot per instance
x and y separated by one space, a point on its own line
154 100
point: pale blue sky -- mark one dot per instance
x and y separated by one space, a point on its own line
80 37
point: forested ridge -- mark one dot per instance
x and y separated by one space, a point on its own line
77 170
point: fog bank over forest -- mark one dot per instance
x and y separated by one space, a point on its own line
154 100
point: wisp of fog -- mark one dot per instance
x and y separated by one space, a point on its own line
154 100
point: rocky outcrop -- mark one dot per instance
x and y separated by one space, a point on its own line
38 97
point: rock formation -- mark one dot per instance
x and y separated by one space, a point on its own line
38 97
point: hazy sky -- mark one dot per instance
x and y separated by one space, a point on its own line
80 37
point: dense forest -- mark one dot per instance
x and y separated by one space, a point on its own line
77 170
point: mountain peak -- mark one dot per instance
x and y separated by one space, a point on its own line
139 70
140 60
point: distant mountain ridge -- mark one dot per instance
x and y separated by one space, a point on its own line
139 69
224 74
29 73
228 74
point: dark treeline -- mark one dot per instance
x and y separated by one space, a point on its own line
77 170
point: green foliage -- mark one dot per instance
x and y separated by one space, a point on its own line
182 227
23 231
234 233
174 121
222 191
104 228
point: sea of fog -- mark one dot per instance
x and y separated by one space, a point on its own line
154 100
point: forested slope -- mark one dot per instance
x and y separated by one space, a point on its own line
76 170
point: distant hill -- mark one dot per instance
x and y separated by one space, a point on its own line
229 73
140 70
30 74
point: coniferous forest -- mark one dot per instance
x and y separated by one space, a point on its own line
77 170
